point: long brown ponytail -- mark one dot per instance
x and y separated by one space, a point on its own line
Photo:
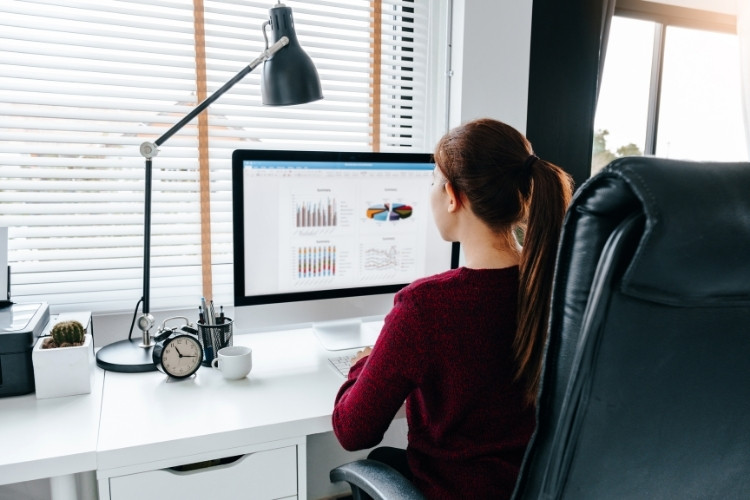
551 190
493 165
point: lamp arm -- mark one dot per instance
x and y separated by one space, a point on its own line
149 150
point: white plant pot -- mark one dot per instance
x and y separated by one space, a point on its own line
63 371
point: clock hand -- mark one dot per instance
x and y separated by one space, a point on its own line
178 352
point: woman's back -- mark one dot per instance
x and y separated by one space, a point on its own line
447 345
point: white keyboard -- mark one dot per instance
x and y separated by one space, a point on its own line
342 364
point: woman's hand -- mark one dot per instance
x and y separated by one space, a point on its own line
361 354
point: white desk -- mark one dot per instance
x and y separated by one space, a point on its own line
149 422
134 426
51 438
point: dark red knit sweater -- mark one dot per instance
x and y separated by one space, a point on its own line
445 348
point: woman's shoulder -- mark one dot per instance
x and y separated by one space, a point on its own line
434 281
463 277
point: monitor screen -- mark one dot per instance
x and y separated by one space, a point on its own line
312 225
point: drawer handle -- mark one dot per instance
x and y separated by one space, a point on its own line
206 464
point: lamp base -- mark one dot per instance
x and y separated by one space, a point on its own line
126 356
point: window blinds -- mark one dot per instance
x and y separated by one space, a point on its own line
83 83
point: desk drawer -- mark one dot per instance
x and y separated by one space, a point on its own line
269 474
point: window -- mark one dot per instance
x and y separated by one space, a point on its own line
83 83
669 90
700 110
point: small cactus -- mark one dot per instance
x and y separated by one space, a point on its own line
68 333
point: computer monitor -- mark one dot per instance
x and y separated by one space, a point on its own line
327 238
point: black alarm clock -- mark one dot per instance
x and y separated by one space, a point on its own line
177 352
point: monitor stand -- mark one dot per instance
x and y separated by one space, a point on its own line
351 333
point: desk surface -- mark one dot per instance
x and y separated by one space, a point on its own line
147 417
49 437
131 419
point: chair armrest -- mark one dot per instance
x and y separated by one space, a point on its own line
377 479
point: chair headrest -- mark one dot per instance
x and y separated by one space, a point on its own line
695 247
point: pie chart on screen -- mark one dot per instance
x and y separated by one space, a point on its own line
389 212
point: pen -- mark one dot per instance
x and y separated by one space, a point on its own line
212 312
207 312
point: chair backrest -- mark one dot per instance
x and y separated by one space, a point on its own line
646 385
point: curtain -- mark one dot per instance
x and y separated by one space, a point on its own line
567 49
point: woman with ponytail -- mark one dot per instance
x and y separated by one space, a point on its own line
464 348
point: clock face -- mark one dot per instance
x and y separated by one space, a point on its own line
181 356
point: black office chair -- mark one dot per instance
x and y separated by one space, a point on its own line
646 385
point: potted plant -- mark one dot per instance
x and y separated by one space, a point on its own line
62 361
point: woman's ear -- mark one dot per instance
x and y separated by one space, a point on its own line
454 201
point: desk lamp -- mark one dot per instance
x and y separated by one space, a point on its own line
289 77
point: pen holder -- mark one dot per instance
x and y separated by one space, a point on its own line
213 338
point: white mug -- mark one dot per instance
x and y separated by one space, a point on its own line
234 362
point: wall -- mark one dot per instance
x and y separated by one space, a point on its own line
490 61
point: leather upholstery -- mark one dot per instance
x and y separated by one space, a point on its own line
376 480
646 388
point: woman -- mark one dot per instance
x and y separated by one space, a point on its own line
464 348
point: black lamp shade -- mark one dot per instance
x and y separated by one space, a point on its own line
289 77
